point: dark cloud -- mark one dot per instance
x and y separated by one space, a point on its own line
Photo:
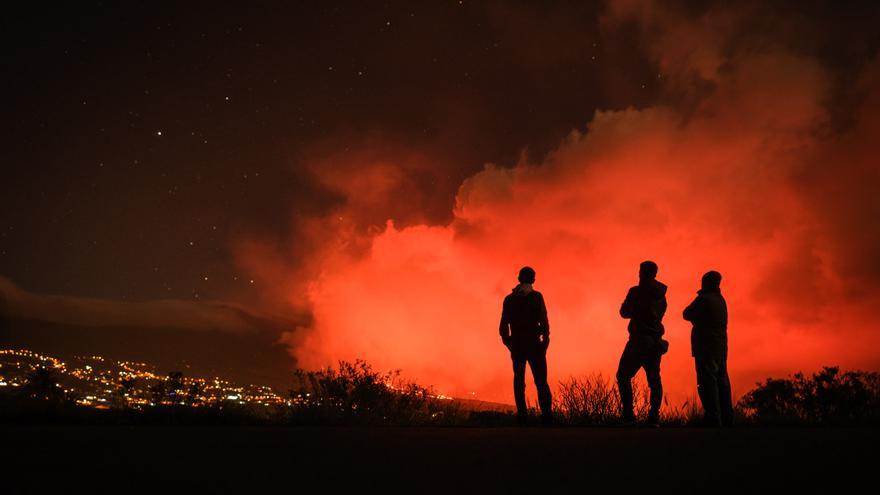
197 338
182 314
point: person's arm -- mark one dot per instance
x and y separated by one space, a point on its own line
544 323
504 327
626 309
690 313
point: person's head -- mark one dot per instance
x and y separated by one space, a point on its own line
711 280
526 275
647 270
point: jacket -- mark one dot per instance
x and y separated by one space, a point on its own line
644 306
523 317
708 314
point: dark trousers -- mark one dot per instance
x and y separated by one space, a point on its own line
536 356
640 353
713 387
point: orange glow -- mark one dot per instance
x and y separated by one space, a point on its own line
746 184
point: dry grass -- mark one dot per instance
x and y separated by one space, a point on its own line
594 400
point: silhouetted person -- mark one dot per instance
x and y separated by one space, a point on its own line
644 306
708 314
526 333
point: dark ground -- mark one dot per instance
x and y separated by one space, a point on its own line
77 459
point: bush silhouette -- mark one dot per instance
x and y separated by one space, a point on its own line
828 397
355 393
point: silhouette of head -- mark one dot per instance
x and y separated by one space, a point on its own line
711 280
526 275
647 270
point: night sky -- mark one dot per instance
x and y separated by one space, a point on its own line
142 139
249 157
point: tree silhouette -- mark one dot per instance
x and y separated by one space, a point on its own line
827 397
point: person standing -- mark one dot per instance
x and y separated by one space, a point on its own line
644 307
708 314
525 331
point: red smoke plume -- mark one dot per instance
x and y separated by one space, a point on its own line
745 177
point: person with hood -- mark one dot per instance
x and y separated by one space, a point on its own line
525 331
644 307
708 314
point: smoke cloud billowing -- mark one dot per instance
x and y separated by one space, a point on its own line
744 168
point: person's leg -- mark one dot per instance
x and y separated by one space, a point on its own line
538 364
725 401
626 370
519 384
707 388
651 363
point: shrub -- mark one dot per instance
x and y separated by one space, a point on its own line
827 398
355 394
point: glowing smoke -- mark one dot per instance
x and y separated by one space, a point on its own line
746 179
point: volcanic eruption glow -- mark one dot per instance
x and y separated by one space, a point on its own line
749 181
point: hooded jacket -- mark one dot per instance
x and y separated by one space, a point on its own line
523 317
644 306
708 314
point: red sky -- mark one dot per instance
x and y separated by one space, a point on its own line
746 178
